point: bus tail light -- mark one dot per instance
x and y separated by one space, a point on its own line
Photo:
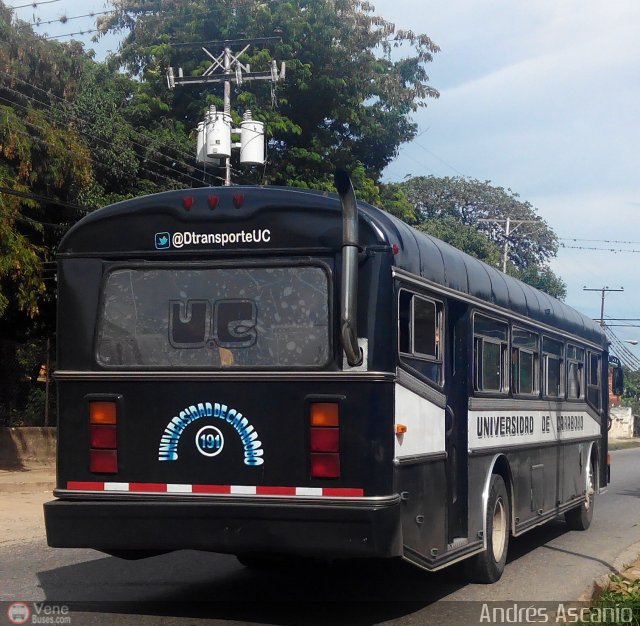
325 465
103 461
324 439
325 414
103 437
103 413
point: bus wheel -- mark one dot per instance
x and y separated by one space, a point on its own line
580 517
487 567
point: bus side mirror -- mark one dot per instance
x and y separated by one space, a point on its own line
617 385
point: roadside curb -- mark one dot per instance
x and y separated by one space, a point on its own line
626 564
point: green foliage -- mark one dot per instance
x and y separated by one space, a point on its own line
463 237
464 212
347 98
542 278
631 395
39 154
618 604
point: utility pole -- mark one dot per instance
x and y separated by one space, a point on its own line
604 291
507 231
232 70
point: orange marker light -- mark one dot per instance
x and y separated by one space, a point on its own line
401 429
102 413
325 414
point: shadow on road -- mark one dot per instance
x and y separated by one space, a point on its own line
208 586
196 585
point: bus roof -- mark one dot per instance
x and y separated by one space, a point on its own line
310 220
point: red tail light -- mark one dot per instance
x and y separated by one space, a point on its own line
103 437
324 439
325 465
103 461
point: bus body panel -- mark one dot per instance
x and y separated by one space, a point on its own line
278 412
191 473
237 526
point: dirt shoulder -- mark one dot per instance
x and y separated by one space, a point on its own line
22 517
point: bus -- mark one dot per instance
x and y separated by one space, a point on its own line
274 372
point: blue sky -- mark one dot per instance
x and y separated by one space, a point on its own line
543 98
540 97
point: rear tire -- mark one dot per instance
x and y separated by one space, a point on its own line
580 517
487 567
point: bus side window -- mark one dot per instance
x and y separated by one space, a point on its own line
490 345
593 379
420 334
575 372
524 362
553 367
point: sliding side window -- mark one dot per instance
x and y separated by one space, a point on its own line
490 345
575 372
525 357
420 335
553 367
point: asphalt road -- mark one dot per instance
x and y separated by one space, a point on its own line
550 564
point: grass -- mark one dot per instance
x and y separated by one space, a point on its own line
617 605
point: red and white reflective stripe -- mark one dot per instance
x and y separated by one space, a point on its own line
244 490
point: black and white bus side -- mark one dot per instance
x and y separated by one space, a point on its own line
268 371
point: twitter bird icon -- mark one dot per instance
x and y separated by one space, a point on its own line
163 241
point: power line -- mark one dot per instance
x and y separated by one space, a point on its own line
598 240
604 291
86 133
435 156
147 138
64 19
48 143
626 356
614 250
46 199
80 32
623 319
34 4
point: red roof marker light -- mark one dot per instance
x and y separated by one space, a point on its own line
238 200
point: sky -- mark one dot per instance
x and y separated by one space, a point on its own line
543 98
539 97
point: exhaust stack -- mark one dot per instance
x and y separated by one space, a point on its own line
349 292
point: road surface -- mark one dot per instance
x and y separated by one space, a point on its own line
548 564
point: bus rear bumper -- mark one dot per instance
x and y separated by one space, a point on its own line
366 528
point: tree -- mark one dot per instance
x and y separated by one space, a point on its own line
453 209
631 395
347 99
38 155
68 143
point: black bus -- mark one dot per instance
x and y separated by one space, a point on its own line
270 371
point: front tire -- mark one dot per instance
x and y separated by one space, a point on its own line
487 567
580 517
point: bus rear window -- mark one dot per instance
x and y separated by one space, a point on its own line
215 318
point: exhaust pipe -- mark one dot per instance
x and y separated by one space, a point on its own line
349 293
